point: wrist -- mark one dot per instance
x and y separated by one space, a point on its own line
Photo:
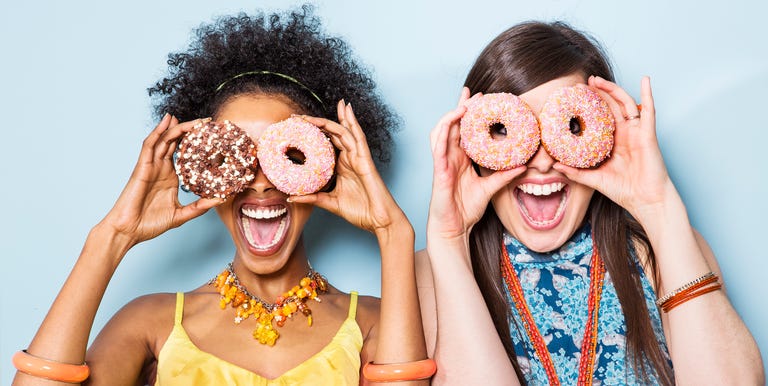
655 210
399 230
111 242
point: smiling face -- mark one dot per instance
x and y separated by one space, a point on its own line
265 228
541 207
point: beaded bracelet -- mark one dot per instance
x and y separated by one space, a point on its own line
48 369
702 285
685 287
396 372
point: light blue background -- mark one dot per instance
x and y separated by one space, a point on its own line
75 111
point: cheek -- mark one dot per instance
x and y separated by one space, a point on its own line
580 197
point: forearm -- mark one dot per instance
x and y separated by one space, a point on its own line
400 329
468 349
708 341
63 334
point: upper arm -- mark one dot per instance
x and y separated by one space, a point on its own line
426 288
128 342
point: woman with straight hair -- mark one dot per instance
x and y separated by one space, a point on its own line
546 273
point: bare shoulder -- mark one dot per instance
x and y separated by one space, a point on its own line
368 309
129 343
147 319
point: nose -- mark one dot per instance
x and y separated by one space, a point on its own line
541 161
261 183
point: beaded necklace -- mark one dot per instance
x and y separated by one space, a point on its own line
268 314
589 342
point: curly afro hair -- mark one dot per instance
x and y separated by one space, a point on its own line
293 44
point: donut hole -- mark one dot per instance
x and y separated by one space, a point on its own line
295 155
498 130
217 160
576 125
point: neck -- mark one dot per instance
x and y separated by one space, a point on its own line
270 285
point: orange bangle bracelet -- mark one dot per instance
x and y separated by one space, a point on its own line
396 372
48 369
672 304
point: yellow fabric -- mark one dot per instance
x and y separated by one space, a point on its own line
181 363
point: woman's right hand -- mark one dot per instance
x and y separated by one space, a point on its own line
459 194
149 204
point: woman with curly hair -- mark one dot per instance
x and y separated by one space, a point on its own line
252 71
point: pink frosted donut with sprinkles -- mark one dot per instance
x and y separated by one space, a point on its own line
577 126
216 159
505 115
296 156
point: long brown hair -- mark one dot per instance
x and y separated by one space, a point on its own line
518 60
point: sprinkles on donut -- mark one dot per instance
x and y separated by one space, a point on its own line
518 124
216 159
308 172
577 126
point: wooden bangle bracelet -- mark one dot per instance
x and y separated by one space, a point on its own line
396 372
48 369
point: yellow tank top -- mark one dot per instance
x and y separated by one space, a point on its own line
181 363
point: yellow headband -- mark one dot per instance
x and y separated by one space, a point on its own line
286 77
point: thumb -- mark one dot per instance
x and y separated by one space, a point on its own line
196 209
586 177
494 182
320 200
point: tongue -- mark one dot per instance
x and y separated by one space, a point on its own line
263 231
541 208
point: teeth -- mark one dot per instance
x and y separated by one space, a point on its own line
249 237
263 213
541 190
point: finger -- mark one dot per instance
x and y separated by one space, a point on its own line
628 105
465 93
357 131
449 118
473 99
497 180
195 209
587 177
613 104
169 139
157 132
340 110
648 108
442 126
321 200
340 135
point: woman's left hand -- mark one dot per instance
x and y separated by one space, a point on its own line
360 195
634 176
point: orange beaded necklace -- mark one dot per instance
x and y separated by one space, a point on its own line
589 342
268 314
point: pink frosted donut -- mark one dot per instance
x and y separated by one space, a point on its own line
216 160
297 176
487 113
577 127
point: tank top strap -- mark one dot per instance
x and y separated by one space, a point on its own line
179 308
352 305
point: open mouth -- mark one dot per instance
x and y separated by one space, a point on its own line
264 227
542 205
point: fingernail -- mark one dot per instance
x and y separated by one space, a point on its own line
207 119
289 199
343 102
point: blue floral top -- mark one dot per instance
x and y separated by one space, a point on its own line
556 288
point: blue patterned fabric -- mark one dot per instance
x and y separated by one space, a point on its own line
556 288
